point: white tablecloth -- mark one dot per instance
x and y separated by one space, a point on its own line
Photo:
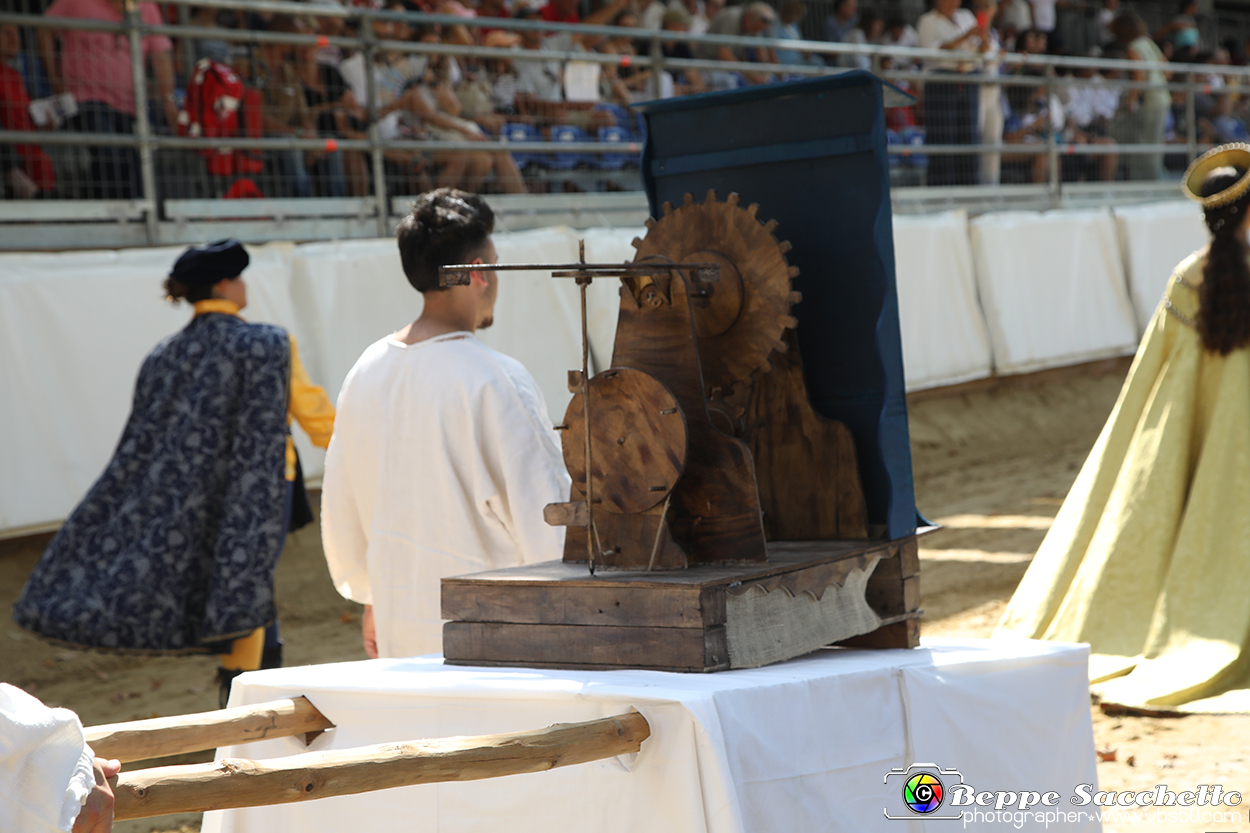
800 746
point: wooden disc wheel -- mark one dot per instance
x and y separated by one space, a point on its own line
638 440
749 309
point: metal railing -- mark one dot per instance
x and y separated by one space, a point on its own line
160 214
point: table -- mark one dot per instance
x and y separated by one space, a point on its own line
803 745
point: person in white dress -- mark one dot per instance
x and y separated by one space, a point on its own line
443 456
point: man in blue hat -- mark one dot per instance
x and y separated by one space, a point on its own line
174 547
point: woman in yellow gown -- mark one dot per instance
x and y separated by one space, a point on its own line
1149 558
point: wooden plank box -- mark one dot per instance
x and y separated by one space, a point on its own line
710 618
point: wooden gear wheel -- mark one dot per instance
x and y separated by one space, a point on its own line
748 312
639 436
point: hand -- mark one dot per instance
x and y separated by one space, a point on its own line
369 632
96 815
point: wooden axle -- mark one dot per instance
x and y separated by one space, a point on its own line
233 782
160 737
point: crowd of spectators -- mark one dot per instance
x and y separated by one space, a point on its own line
228 85
1082 107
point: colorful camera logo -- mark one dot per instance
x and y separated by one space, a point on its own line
921 790
923 793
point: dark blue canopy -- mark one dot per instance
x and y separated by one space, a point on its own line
812 153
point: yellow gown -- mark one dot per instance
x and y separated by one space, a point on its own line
1148 560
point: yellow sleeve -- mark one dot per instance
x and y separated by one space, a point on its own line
309 404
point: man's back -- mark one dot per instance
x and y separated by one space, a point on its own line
442 461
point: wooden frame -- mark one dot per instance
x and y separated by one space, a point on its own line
554 615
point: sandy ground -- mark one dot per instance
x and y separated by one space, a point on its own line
992 463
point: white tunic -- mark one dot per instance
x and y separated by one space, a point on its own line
442 460
45 764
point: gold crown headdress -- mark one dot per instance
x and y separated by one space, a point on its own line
1234 155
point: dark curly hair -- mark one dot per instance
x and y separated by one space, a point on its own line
1224 297
445 226
176 291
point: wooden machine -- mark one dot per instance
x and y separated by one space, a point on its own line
717 519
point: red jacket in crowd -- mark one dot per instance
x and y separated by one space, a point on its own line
15 115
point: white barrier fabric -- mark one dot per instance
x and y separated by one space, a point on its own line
1052 288
944 335
1154 238
1028 291
759 750
74 329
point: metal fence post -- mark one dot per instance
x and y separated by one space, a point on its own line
142 126
188 56
657 65
375 135
1191 118
1052 141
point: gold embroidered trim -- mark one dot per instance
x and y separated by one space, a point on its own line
1180 316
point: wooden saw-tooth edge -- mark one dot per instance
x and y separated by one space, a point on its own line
738 235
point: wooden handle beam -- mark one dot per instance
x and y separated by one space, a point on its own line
234 782
161 736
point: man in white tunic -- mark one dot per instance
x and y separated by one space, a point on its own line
443 454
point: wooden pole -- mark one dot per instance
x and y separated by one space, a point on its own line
162 736
234 782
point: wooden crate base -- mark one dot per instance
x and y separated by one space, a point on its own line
809 594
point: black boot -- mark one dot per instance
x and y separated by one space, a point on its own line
271 657
225 676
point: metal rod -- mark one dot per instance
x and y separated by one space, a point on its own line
370 41
1052 142
643 268
591 533
659 532
1191 122
657 65
907 54
289 143
188 55
143 129
702 271
822 47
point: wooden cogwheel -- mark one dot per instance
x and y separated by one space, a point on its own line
638 434
749 310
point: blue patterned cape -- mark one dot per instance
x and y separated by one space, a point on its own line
176 544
